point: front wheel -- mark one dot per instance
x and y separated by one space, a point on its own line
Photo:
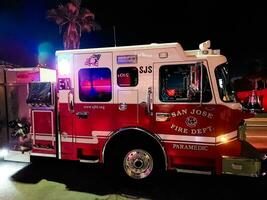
136 161
138 164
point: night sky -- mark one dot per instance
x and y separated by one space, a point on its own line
238 30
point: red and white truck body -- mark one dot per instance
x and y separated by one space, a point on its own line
145 104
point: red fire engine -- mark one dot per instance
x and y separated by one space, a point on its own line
141 110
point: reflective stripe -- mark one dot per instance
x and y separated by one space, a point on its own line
100 133
85 139
202 139
187 138
165 137
45 138
66 139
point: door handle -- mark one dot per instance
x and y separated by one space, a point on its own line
122 106
150 102
82 115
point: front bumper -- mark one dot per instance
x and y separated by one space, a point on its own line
242 166
250 162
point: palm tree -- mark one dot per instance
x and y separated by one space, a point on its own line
73 20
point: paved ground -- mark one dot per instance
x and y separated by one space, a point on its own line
71 181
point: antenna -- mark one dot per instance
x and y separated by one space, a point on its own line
114 35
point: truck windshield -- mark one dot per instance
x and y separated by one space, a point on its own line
224 84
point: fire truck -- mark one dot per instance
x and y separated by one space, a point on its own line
141 110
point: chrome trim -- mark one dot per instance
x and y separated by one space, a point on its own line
89 161
153 136
43 155
190 171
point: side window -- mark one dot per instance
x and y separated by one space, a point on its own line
127 76
181 83
95 85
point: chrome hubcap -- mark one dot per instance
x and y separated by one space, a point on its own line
138 164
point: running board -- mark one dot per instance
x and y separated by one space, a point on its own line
192 171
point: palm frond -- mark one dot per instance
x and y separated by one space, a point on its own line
74 23
59 15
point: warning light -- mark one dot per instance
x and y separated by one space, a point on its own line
64 66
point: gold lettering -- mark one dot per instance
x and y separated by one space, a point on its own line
179 113
184 111
198 112
199 131
180 129
210 128
185 130
204 113
210 115
190 147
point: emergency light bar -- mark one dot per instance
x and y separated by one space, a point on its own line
64 65
204 49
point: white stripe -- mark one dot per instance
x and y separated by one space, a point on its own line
43 154
196 139
43 134
100 133
165 137
45 138
64 139
187 138
86 139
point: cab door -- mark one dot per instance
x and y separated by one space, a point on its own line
184 105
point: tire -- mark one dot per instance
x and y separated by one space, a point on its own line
136 161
